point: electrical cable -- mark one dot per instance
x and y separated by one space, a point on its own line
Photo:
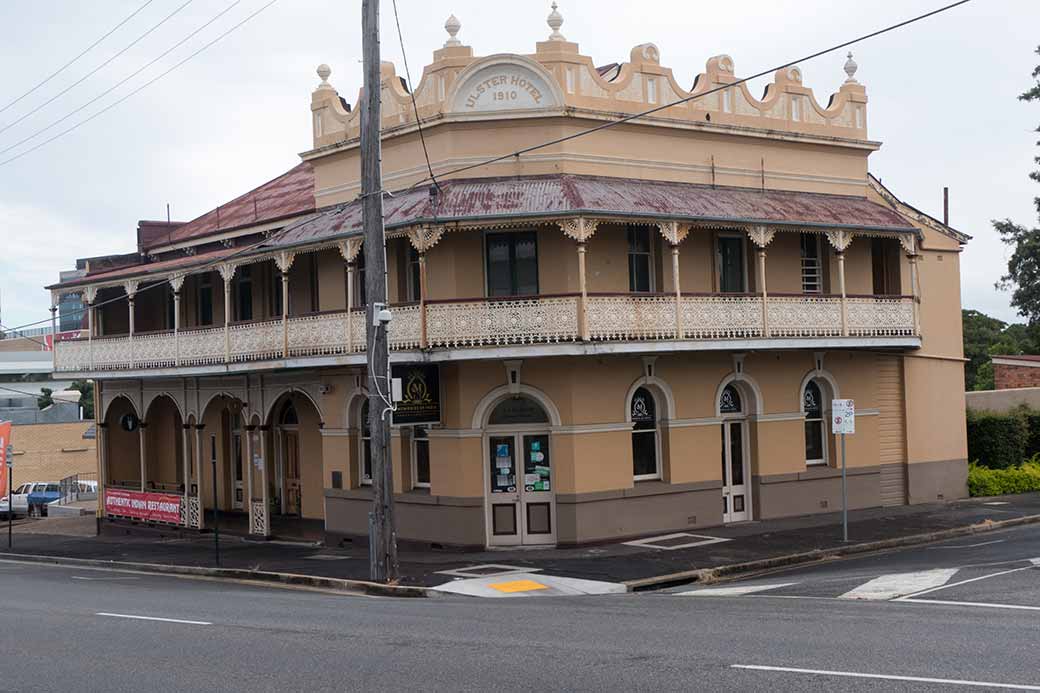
29 394
135 91
85 51
692 97
411 93
122 81
96 69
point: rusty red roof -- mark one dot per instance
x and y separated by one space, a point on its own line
143 270
572 195
287 195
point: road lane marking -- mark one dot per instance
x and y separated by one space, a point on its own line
734 591
154 618
98 579
967 546
890 586
964 582
983 604
889 677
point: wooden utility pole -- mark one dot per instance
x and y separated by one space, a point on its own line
382 532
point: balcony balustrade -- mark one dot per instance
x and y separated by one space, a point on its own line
462 324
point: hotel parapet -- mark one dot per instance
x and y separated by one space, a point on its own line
635 331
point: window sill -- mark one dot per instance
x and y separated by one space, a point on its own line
643 478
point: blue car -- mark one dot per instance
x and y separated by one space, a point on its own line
39 499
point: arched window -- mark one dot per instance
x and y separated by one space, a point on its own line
729 402
644 436
289 417
366 446
518 410
815 426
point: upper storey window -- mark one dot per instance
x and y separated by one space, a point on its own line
512 264
812 267
731 264
640 259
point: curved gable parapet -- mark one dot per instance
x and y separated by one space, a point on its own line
504 82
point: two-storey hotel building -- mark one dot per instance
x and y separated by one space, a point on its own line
634 331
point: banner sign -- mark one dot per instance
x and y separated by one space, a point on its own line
420 394
5 440
843 416
142 505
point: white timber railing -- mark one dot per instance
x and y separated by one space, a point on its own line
494 322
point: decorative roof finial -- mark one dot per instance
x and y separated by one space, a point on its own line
555 21
324 71
452 26
850 70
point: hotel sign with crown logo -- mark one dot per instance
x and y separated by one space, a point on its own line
420 394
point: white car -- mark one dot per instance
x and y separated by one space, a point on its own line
21 498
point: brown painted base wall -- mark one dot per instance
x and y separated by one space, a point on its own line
816 490
649 508
421 518
928 482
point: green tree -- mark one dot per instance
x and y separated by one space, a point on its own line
45 399
1023 273
86 399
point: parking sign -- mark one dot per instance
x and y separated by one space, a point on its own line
843 416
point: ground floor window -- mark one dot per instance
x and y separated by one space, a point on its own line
815 426
366 446
644 436
420 457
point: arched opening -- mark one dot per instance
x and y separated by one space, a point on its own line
816 393
736 483
122 445
294 478
164 446
646 440
221 462
521 506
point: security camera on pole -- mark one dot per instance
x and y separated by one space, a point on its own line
382 535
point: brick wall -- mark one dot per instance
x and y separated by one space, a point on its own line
1012 377
51 452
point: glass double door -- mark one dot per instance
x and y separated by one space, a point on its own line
521 505
735 497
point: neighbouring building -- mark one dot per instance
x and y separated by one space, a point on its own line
634 331
1014 372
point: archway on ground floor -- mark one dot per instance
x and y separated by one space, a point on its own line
122 445
293 478
163 446
221 454
738 402
519 482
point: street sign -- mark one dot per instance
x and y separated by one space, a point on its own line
843 416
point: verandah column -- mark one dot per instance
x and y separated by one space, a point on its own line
762 236
227 273
264 484
199 476
909 244
284 261
422 239
581 230
102 454
249 475
840 240
141 426
186 471
176 282
131 291
89 295
675 234
349 250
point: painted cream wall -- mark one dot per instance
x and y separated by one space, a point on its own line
123 451
164 447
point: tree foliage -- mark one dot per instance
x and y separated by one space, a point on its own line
985 337
45 399
1023 272
86 400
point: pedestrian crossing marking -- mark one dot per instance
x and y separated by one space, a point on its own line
737 591
897 584
518 586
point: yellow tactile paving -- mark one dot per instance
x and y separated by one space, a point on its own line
518 586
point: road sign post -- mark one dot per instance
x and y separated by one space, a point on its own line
843 421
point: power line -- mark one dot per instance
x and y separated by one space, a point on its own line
85 51
692 97
411 93
124 80
96 69
137 90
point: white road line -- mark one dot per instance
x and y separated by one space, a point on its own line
964 582
734 591
982 604
890 677
967 546
890 586
154 618
80 577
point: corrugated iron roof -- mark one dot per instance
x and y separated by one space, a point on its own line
287 195
569 195
149 268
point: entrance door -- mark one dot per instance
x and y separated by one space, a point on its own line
521 506
292 473
734 472
237 499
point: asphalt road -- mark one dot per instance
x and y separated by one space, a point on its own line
65 629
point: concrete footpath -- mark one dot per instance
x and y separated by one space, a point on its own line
699 555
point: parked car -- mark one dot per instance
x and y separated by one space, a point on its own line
42 496
19 501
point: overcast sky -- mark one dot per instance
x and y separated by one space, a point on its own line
942 100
